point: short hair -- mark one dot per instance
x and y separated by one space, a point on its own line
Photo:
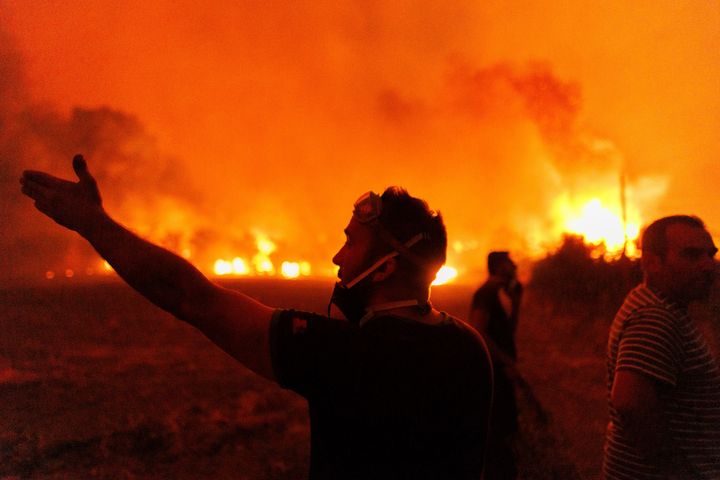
496 259
654 238
405 216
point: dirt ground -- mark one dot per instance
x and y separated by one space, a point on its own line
97 383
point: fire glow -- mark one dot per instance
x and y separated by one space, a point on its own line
600 223
261 264
515 138
446 274
600 216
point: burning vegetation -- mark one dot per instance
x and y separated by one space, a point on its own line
250 168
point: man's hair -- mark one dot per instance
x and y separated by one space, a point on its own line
404 216
654 238
495 260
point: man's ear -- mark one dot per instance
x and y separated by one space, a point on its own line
651 262
385 270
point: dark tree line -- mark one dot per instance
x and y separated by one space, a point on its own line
578 274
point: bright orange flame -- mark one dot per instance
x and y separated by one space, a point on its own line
264 244
261 261
239 266
222 267
263 265
446 274
290 269
295 269
601 221
236 266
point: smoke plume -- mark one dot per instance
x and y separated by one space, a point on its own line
209 127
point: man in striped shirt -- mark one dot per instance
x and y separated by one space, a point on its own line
663 382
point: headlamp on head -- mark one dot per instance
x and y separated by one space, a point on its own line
367 210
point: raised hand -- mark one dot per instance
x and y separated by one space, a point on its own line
74 205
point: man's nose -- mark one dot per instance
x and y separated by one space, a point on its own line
336 258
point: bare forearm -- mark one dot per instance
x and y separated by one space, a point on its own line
234 321
163 277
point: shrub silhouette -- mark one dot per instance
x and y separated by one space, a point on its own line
578 273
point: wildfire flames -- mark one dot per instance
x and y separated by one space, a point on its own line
446 274
600 224
599 219
518 130
262 265
604 218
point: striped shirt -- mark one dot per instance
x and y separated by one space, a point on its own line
654 337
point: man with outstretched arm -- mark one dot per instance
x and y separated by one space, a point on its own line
395 390
663 381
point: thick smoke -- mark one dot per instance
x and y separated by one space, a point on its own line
245 120
124 159
499 141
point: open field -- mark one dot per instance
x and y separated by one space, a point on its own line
97 383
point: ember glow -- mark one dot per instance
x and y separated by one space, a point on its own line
238 134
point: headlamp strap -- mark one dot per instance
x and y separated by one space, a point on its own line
403 249
387 257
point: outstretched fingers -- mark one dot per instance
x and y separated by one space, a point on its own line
38 191
68 203
42 178
40 194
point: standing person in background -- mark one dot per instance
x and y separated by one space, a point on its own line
494 313
663 381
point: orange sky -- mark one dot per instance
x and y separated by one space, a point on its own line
238 117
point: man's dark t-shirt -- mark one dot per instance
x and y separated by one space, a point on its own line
394 398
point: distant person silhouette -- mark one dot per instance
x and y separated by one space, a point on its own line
398 390
663 381
494 313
